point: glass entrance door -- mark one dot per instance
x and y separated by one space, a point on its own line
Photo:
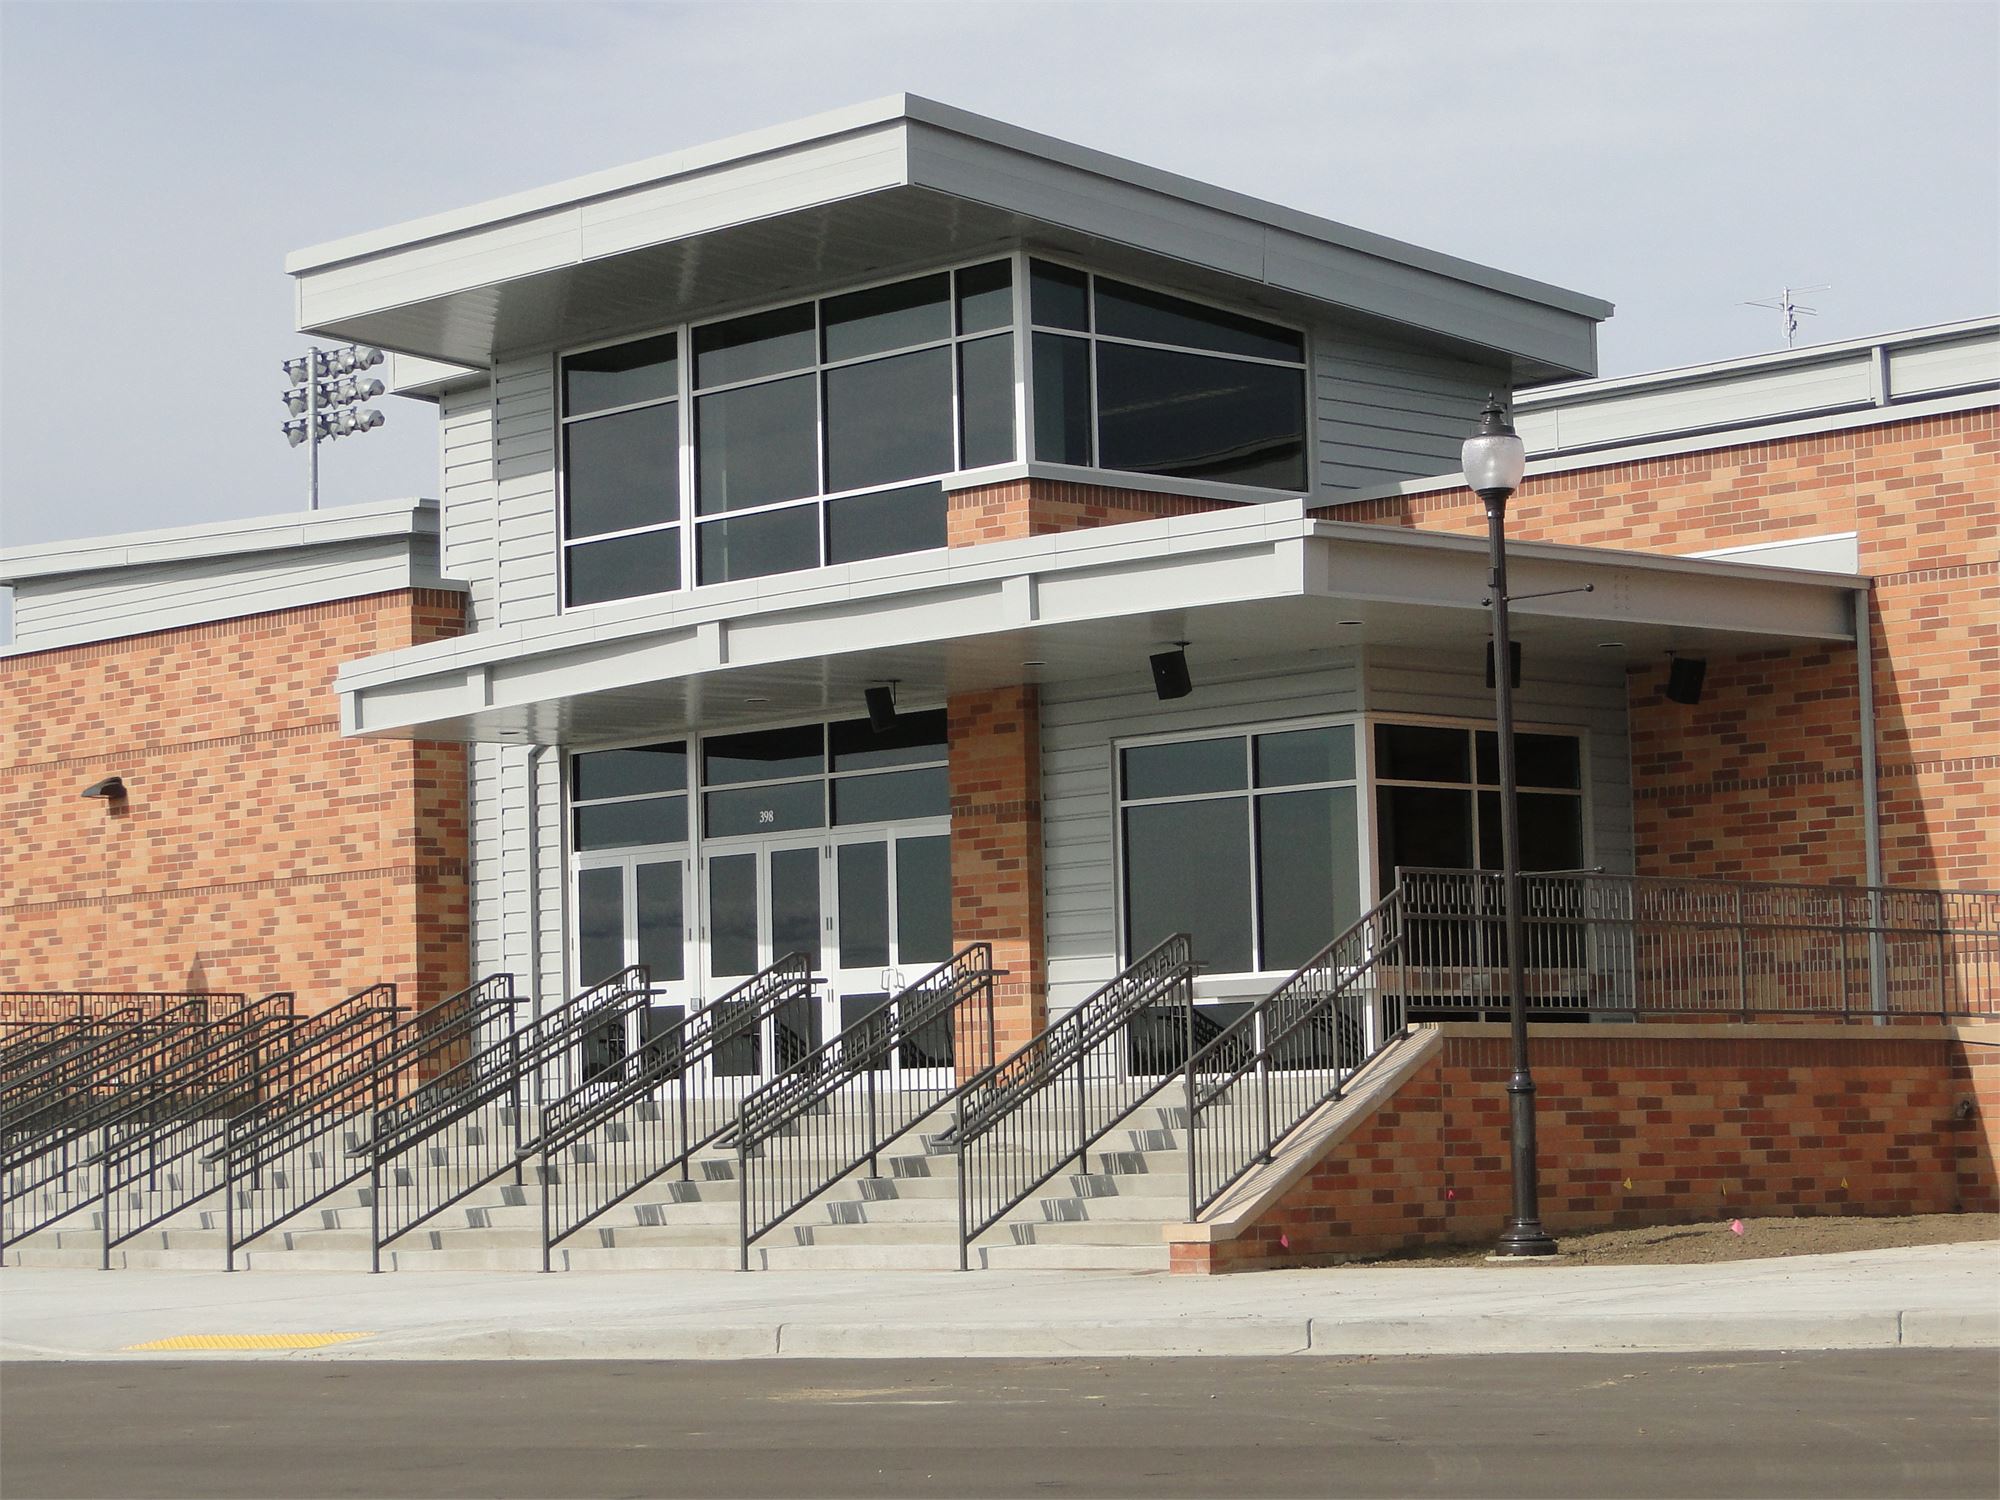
765 900
632 909
892 923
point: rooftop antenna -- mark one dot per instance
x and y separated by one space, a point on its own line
1786 305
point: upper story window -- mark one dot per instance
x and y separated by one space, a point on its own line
804 435
1127 378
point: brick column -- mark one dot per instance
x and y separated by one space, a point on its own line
996 847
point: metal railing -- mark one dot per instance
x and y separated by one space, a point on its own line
113 1051
292 1147
1642 947
834 1110
1015 1125
430 1149
157 1158
1268 1070
608 1138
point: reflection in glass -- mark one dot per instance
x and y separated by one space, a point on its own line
1420 752
795 903
755 445
1187 767
647 562
985 296
1551 831
1057 296
885 522
600 924
622 471
911 740
763 755
923 900
1131 312
637 772
1306 872
1062 399
1295 756
891 796
1423 827
1187 869
986 402
1162 412
888 419
886 317
732 914
1553 760
765 809
626 825
622 375
661 936
773 541
766 343
863 876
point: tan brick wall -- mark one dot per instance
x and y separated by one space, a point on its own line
258 850
1761 780
1021 508
995 743
1634 1131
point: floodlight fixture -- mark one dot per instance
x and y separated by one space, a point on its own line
321 382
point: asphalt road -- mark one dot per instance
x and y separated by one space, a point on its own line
1861 1424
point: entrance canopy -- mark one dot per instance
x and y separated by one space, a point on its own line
1261 583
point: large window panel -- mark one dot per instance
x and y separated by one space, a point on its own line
775 541
912 739
600 924
862 873
887 317
892 796
1062 399
749 348
888 419
622 375
1184 768
623 471
986 297
764 809
626 825
1298 757
882 523
923 899
1307 874
1187 869
986 402
1058 297
641 771
1133 312
756 445
763 755
647 562
662 947
1185 415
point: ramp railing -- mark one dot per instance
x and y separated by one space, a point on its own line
1260 1077
111 1053
609 1137
430 1149
1020 1122
834 1110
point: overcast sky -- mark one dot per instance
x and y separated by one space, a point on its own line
158 160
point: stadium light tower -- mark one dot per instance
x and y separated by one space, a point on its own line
325 396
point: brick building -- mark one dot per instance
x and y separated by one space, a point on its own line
902 398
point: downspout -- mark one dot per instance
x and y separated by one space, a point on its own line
1871 805
534 912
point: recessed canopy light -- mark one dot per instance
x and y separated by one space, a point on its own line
1034 664
1610 645
756 700
1347 622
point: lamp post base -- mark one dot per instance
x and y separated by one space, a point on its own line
1524 1241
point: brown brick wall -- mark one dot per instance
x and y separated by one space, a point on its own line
258 850
1020 508
1655 1130
1761 780
995 743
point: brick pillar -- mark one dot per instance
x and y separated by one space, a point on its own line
996 848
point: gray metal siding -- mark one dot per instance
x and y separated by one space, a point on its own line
525 490
1080 721
499 781
1384 413
471 513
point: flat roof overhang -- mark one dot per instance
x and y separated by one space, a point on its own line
869 191
1248 589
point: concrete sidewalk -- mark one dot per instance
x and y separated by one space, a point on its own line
1935 1296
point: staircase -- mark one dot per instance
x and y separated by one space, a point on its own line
906 1218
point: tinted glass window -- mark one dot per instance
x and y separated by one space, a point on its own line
1062 399
732 914
624 825
1302 755
886 317
986 402
765 809
985 297
863 876
1131 312
1553 760
624 374
1306 843
766 343
1423 827
1420 752
779 541
1057 296
763 755
923 900
756 445
1551 831
648 563
891 796
795 907
1187 869
888 419
885 522
1188 767
638 772
600 924
1161 412
913 739
623 470
660 932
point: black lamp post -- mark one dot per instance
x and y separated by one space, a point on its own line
1494 461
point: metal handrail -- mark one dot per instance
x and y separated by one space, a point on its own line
1291 1052
1657 948
89 1012
107 1057
410 1180
166 1142
827 1114
616 1136
1001 1118
314 1147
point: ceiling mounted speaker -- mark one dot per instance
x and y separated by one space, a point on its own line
1170 675
1684 679
881 709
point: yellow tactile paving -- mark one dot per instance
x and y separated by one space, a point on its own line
247 1341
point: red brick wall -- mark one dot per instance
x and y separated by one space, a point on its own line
1976 1116
1761 780
258 850
1042 507
1652 1128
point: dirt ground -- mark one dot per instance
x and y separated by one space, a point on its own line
1760 1239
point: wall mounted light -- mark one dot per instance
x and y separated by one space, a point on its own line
111 789
1170 673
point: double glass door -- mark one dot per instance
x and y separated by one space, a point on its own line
633 909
